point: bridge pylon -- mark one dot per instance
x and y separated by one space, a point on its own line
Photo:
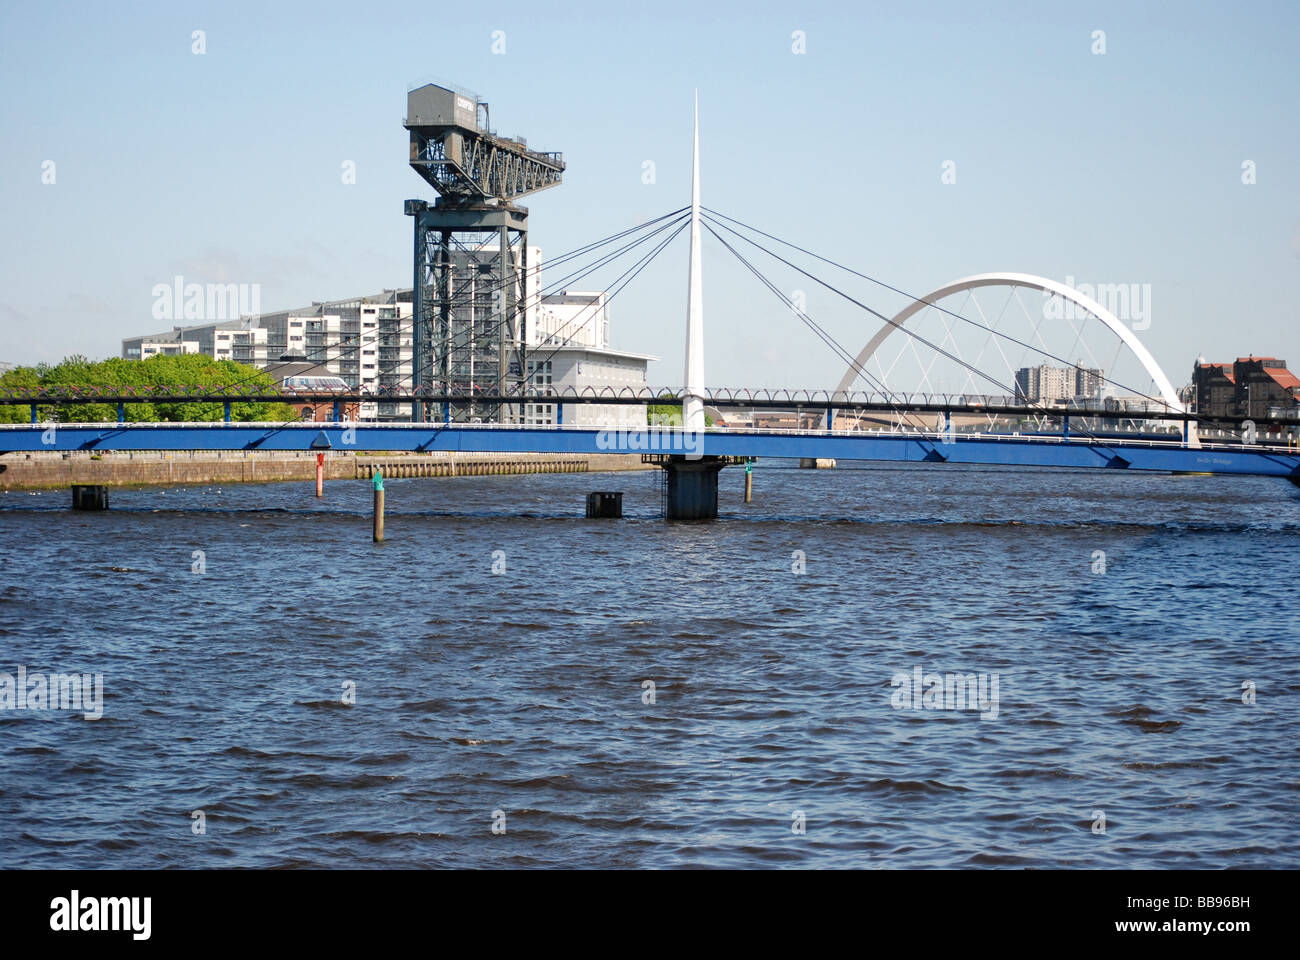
691 489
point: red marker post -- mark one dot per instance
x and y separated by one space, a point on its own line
379 506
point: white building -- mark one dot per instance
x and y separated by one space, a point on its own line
568 337
367 341
570 317
159 344
240 340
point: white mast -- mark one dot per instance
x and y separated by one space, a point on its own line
693 401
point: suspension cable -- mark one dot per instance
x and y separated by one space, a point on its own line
1007 336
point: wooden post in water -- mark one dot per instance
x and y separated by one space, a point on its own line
749 480
320 475
379 506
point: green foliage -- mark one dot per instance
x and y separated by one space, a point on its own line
669 415
190 370
20 379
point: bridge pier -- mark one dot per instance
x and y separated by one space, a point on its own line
693 487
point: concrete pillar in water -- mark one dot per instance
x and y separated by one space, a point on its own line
320 475
379 507
89 496
604 505
693 488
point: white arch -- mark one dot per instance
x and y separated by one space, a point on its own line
1167 391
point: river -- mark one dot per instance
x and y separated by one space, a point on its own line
504 683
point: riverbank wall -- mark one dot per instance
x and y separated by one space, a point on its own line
52 470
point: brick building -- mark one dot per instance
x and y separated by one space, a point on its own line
1251 387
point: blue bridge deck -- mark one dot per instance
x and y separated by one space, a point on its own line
1036 450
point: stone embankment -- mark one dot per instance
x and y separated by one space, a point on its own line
44 471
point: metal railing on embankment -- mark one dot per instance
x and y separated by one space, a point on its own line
477 466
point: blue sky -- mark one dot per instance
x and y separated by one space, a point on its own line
225 167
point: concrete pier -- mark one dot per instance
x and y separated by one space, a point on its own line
693 488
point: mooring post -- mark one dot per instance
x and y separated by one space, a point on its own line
320 475
749 480
379 506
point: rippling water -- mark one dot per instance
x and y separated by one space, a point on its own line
1119 692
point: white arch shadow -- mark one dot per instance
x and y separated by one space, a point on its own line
1167 392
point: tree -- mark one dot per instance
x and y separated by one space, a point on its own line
668 414
185 371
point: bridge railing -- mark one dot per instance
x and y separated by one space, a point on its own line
900 432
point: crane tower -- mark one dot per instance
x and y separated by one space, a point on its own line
471 283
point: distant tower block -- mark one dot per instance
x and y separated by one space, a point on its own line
471 252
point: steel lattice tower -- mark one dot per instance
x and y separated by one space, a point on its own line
469 334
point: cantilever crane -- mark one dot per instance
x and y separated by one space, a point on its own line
462 159
476 174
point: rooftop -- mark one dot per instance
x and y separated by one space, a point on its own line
580 348
1223 368
1285 378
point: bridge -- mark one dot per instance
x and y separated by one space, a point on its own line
882 423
